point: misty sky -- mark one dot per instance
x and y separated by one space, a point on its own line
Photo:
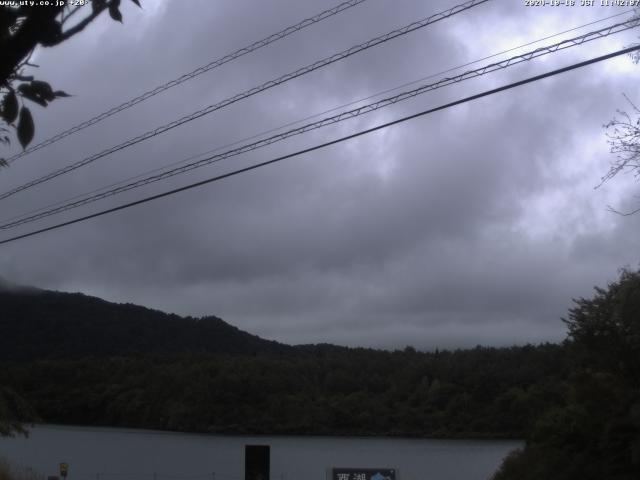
474 225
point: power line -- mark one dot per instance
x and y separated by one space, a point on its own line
335 119
253 91
329 143
194 73
604 32
315 115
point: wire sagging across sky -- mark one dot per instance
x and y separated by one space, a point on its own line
486 93
527 56
253 91
304 119
188 76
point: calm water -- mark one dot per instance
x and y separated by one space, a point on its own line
119 454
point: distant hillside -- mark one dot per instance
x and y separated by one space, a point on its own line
80 360
41 324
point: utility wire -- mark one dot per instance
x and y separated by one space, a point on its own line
253 91
315 115
331 142
602 33
188 76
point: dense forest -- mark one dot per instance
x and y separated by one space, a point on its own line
69 358
319 390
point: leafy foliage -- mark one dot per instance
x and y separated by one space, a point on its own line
10 107
596 433
25 127
22 29
114 11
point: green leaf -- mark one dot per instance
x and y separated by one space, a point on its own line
43 90
27 91
10 107
114 11
34 98
25 127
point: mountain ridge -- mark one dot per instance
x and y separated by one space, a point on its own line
46 324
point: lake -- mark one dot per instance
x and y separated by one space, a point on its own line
121 454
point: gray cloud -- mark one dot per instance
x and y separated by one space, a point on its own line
473 225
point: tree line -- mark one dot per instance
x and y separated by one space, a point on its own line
482 392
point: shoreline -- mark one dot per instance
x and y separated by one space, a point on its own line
134 430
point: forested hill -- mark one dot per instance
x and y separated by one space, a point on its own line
81 360
41 324
65 358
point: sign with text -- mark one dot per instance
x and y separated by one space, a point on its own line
363 474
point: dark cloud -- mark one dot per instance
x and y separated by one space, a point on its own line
475 225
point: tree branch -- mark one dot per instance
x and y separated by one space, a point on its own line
82 25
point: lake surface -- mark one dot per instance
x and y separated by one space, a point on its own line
121 454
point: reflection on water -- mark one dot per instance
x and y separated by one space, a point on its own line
119 454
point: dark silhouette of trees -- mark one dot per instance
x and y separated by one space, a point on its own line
595 433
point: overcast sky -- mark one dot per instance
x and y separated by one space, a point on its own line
474 225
